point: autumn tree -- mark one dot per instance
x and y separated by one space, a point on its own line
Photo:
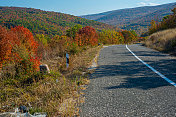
174 11
87 36
167 22
7 40
134 33
72 31
153 27
128 36
110 37
165 17
19 47
26 49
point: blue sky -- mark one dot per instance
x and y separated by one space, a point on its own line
82 7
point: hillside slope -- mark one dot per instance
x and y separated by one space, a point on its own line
133 18
44 22
163 41
96 16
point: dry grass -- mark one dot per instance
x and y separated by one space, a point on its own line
78 65
163 40
47 95
57 93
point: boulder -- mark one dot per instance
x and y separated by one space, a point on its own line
44 68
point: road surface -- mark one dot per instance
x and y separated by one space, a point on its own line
122 86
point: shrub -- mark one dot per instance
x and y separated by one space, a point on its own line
19 47
163 40
167 23
26 49
128 36
42 39
111 37
7 39
72 31
87 36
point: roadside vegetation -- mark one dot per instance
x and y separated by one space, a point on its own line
166 23
163 34
57 93
163 41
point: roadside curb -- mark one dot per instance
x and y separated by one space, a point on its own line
94 64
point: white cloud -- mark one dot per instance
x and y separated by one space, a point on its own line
147 4
142 4
153 4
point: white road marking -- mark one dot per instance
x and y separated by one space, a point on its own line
157 72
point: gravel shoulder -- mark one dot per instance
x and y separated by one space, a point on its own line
122 86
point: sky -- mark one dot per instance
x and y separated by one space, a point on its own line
82 7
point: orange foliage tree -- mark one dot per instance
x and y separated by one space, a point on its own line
153 27
87 36
5 46
110 37
167 23
18 46
128 36
26 48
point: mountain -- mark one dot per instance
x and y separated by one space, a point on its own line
96 16
44 22
133 18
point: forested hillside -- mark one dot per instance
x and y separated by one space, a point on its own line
133 18
44 22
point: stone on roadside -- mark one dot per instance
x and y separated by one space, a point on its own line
44 68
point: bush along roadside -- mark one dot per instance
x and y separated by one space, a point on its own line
57 93
164 41
162 34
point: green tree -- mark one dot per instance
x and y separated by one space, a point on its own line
166 17
153 27
128 36
134 33
72 31
42 38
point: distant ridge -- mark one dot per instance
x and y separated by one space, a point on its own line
133 18
45 22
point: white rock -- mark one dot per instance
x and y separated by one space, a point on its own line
44 68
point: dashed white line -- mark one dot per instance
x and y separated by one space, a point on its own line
157 72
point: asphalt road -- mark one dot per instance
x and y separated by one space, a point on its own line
122 86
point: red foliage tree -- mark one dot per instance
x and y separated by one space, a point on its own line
7 40
26 47
25 37
87 36
18 45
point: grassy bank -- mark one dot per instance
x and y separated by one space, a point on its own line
163 41
57 93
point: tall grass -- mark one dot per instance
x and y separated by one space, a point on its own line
163 40
56 93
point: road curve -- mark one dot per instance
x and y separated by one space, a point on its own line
122 86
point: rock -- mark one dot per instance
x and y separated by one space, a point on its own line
44 68
11 114
23 109
41 114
